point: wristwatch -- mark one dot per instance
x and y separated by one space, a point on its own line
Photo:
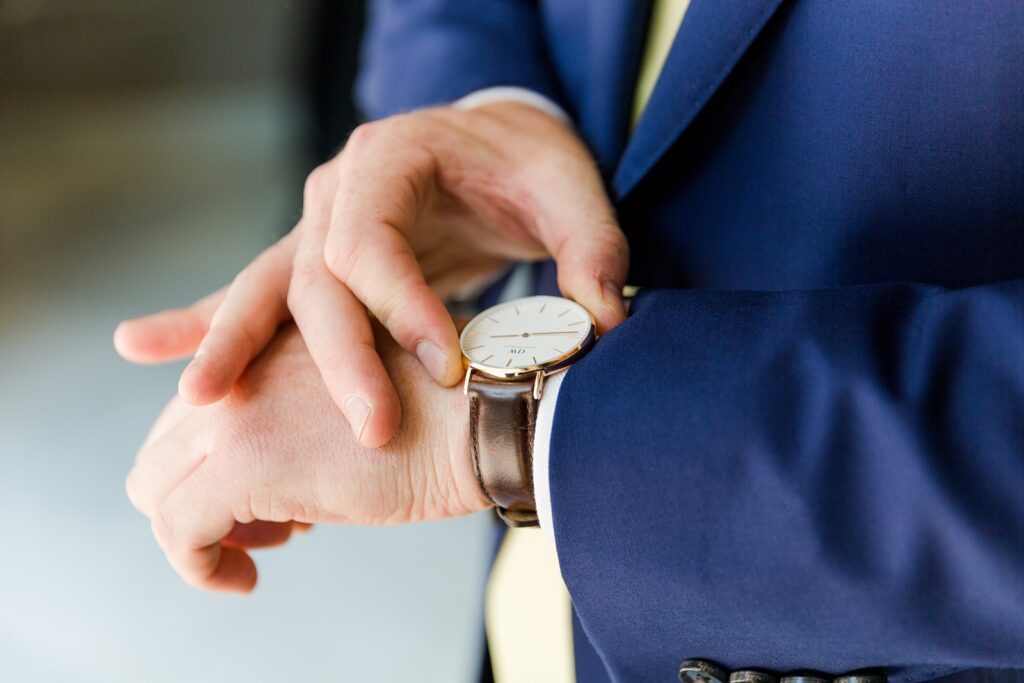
509 350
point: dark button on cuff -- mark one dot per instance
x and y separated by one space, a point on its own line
700 671
751 676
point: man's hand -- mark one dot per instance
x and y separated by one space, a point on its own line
220 479
413 209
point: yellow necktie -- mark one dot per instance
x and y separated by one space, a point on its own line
527 611
666 17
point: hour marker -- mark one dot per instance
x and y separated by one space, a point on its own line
578 322
558 350
543 307
492 319
486 359
562 313
516 309
508 363
474 348
534 360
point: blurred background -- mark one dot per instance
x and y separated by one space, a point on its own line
148 150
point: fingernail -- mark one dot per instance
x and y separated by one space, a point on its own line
433 360
613 297
357 411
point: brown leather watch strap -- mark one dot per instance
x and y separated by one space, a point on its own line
502 417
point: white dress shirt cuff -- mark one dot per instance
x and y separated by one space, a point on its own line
508 93
542 452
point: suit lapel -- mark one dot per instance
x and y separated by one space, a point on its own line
713 36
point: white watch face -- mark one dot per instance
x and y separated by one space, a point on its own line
526 334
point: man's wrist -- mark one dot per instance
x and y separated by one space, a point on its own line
466 490
467 493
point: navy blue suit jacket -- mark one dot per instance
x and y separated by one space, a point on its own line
805 448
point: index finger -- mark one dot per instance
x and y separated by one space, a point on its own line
337 331
385 182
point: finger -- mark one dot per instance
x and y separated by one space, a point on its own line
167 335
336 328
338 335
159 468
258 534
189 527
377 203
246 320
577 225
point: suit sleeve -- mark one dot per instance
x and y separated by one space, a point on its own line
813 479
419 53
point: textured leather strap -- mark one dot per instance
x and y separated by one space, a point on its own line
502 416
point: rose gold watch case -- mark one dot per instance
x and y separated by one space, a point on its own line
540 370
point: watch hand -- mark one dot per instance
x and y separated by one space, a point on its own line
532 334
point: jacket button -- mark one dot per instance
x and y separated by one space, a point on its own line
751 676
861 678
700 671
805 678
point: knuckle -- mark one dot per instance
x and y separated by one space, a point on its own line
407 132
131 489
448 116
416 126
162 526
605 253
395 124
312 509
261 502
342 253
246 340
317 183
390 308
285 508
435 124
610 241
363 134
304 280
248 279
405 312
334 356
135 484
267 502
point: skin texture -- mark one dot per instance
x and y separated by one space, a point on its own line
275 455
415 208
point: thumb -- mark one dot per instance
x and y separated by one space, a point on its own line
577 226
